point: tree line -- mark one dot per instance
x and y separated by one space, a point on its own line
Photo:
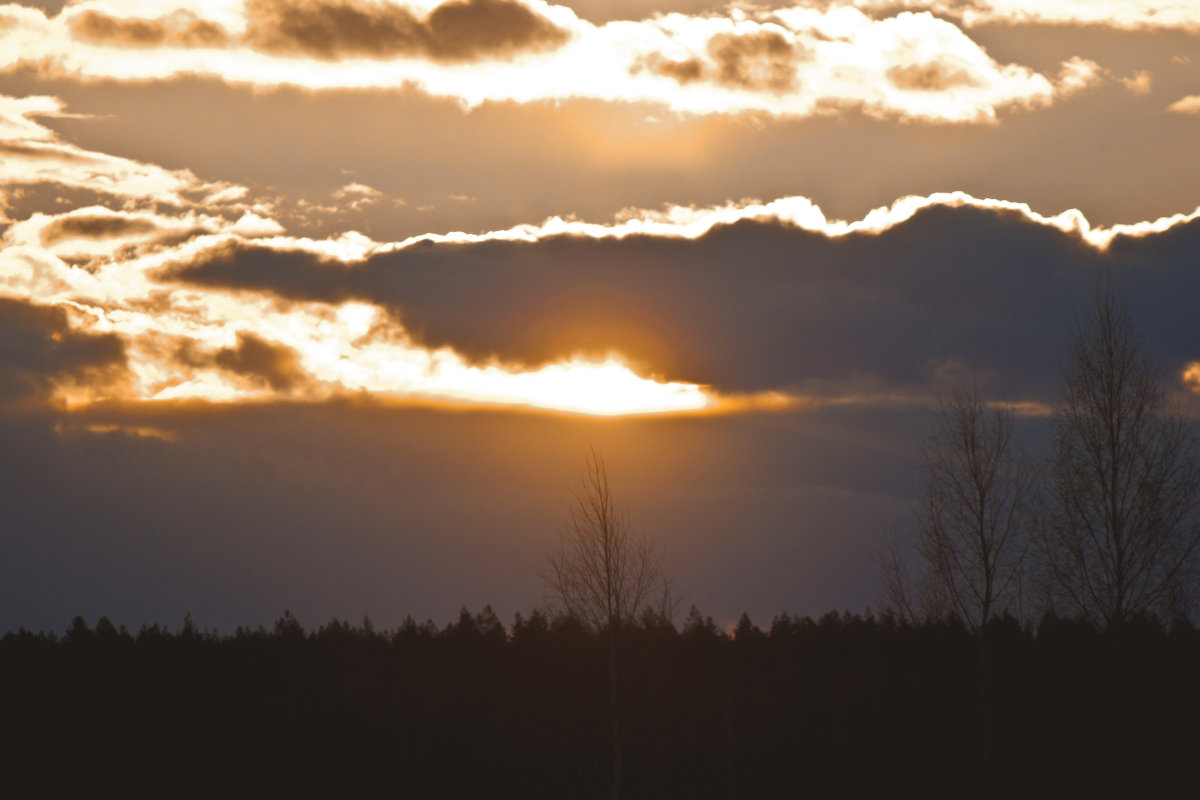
842 704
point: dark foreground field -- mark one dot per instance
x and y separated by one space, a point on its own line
841 706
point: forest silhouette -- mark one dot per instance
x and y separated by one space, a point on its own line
844 704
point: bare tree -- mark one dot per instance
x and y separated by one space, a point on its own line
1121 536
604 576
601 573
972 511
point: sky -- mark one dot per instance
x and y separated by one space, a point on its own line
319 305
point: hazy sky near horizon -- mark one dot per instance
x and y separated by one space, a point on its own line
318 304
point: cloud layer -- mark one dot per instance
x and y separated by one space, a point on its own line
791 62
1128 14
764 303
757 298
737 307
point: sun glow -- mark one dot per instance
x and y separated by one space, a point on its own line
313 352
1191 376
606 388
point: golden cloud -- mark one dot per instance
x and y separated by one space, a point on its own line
1125 14
931 77
1191 376
1186 105
180 29
790 62
95 226
34 153
459 30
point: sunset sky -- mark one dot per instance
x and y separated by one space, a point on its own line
319 304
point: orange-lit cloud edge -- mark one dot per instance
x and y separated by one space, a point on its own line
693 221
791 62
189 343
1126 14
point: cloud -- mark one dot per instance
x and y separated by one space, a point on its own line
95 226
679 309
686 71
356 197
764 60
759 297
1139 83
1125 14
92 233
691 222
351 190
180 29
33 153
459 30
1078 74
802 61
274 364
790 62
1186 105
932 77
244 346
40 352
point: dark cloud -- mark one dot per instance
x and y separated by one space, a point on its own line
762 61
687 71
275 364
602 11
48 152
51 7
94 226
460 30
757 61
180 29
38 350
932 77
754 306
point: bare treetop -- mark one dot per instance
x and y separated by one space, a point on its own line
972 511
601 573
1121 534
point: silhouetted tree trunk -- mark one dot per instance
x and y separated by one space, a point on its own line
897 597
